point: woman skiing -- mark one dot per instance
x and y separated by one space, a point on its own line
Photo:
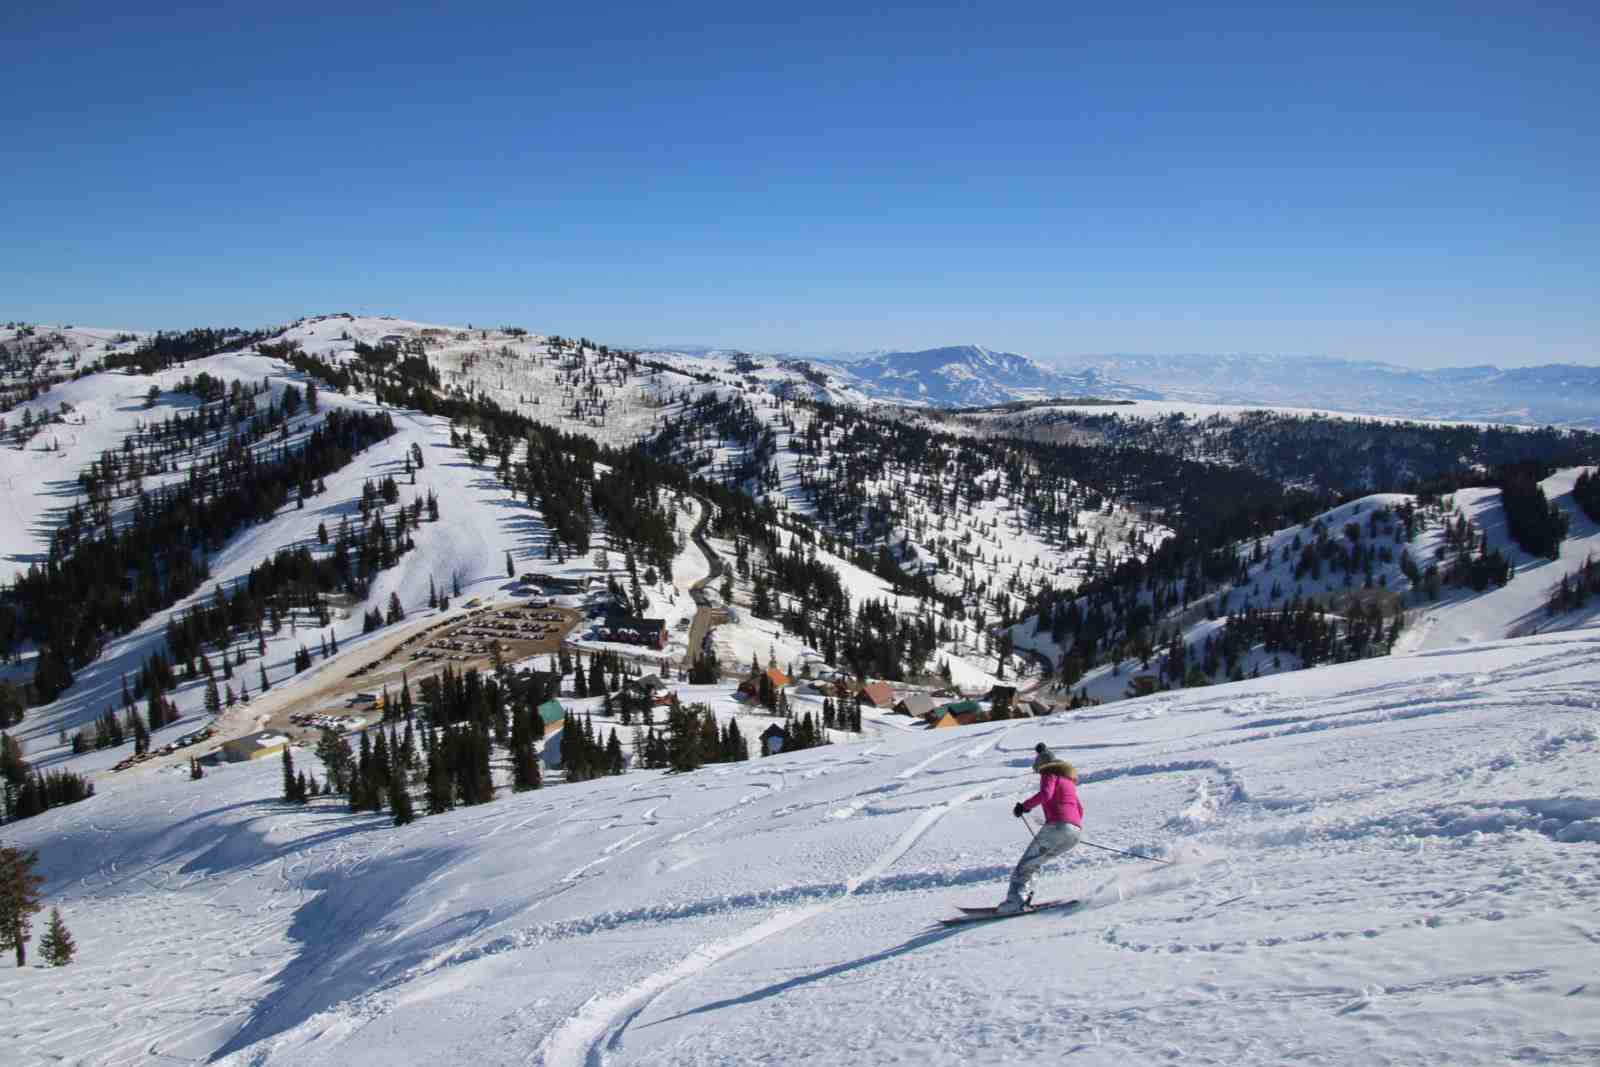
1063 823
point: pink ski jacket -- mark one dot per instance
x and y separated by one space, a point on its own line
1059 797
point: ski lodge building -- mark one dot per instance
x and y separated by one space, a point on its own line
254 746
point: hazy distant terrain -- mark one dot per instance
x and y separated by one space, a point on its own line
1563 394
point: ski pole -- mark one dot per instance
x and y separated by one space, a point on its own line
1120 852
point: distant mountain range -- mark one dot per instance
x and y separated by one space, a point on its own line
971 375
974 376
1559 394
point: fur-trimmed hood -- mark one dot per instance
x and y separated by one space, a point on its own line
1047 760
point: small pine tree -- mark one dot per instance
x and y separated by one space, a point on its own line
615 763
57 946
400 800
19 899
290 782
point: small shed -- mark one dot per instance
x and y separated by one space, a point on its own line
877 695
751 686
773 738
916 705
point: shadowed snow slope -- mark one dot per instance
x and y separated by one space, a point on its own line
1396 860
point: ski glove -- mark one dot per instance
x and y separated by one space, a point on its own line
1019 811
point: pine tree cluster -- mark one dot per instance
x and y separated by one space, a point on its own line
1586 493
1536 524
25 792
1574 589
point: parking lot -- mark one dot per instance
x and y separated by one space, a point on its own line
514 631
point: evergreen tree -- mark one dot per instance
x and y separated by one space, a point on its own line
13 704
615 763
19 899
441 796
57 946
141 733
524 753
361 782
400 800
683 746
382 766
291 784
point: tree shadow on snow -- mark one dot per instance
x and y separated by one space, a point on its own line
345 948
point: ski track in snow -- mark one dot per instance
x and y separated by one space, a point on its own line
599 1026
1381 860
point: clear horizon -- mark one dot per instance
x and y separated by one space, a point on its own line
1410 187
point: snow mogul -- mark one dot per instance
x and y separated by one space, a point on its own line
1063 825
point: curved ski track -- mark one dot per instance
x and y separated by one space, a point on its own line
599 1025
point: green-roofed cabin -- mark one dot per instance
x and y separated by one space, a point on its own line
955 713
553 714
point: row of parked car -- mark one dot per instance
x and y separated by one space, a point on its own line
193 737
337 723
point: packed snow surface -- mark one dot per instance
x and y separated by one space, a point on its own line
1395 860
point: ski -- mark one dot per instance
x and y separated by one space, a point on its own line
978 915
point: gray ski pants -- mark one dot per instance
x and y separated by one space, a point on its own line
1052 840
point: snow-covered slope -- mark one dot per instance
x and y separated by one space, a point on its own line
1273 577
1395 860
1519 606
481 523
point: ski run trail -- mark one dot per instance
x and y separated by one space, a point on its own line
1392 861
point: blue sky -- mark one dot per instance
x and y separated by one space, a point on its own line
1416 186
